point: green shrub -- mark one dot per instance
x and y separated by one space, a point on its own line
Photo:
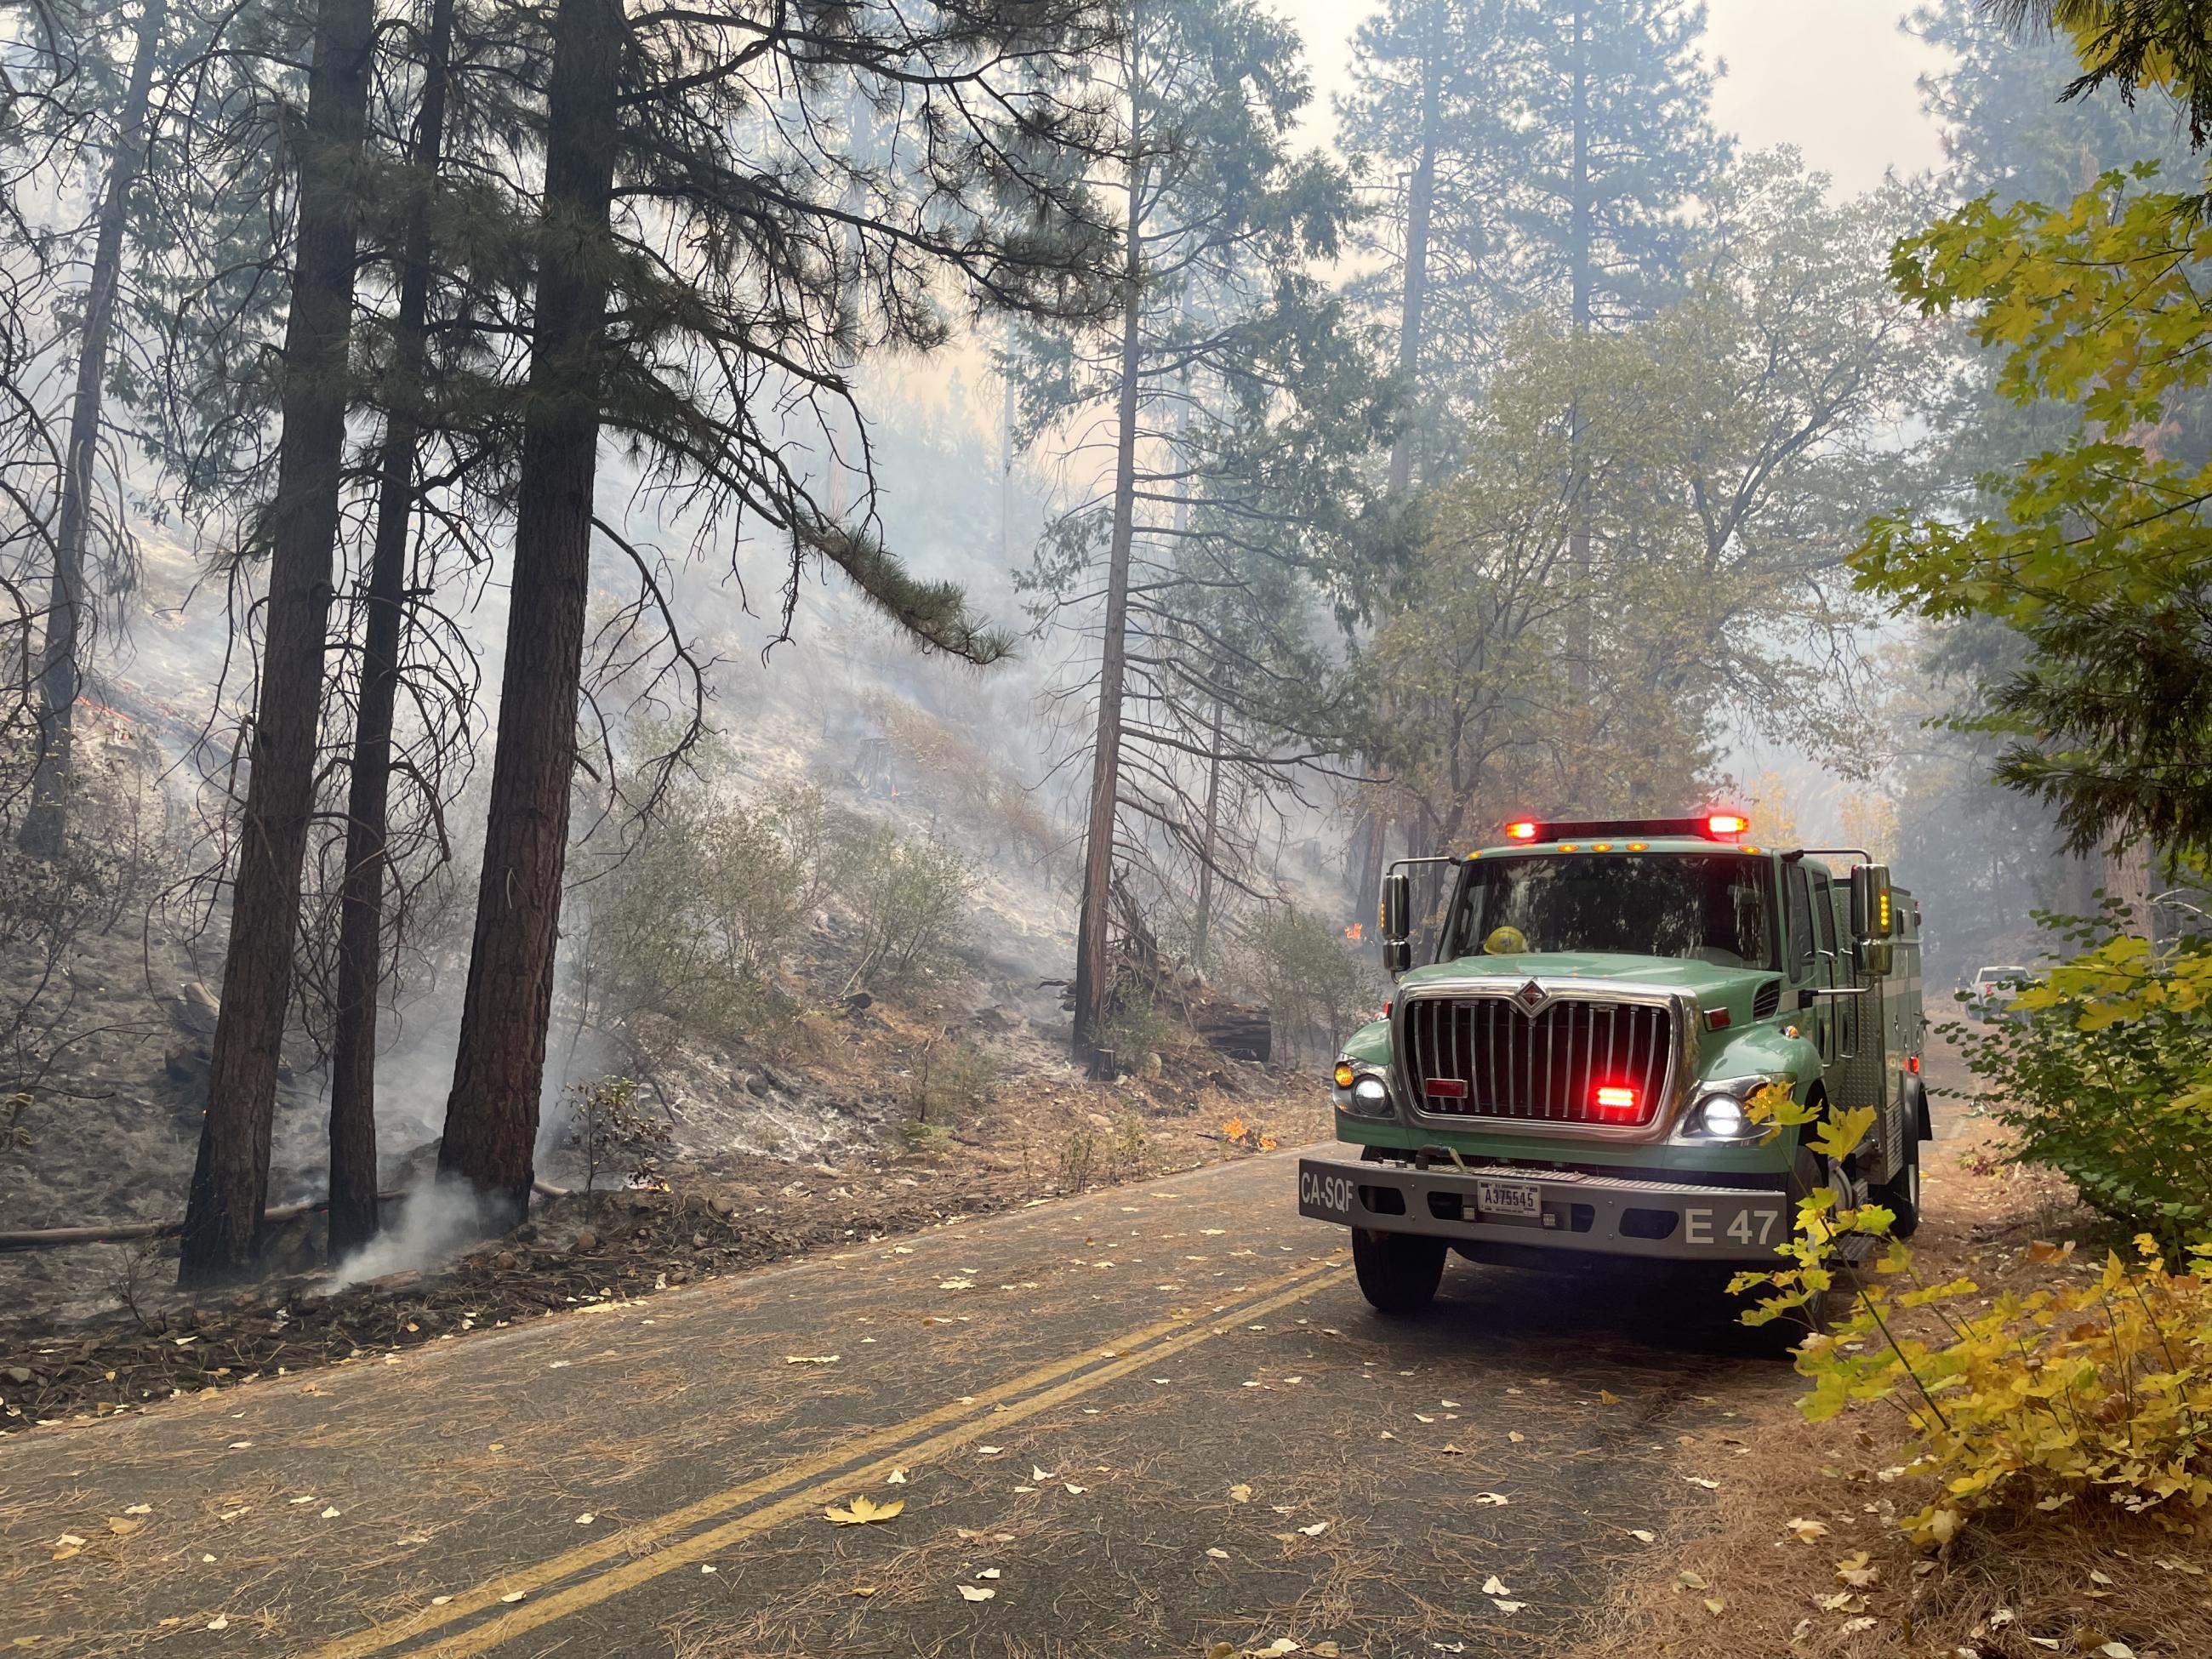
1134 1026
695 921
2105 1069
1313 986
952 1081
613 1133
911 896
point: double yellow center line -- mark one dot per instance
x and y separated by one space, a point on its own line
583 1578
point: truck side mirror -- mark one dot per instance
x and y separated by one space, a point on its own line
1397 909
1873 916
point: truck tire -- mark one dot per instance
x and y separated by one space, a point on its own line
1901 1196
1398 1271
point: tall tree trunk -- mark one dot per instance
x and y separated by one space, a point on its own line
1420 202
491 1117
1371 836
230 1181
1090 964
360 915
1200 934
1580 631
59 670
1006 458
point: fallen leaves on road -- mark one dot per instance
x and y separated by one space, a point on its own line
1804 1531
811 1358
1857 1570
1709 1484
121 1528
976 1592
1240 1493
1493 1499
861 1510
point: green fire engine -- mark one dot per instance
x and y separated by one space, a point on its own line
1571 1073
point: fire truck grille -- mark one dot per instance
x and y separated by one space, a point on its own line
1572 1061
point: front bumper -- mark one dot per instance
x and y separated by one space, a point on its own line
1608 1215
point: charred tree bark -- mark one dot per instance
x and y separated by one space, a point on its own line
230 1181
1091 951
60 672
353 1193
491 1118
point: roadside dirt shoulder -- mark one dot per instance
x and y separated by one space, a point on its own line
580 1251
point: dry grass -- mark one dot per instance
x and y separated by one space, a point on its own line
2013 1586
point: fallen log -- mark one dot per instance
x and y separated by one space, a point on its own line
1240 1030
125 1232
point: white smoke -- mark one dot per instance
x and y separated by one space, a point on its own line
433 1224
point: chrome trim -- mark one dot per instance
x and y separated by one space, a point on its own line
1674 1092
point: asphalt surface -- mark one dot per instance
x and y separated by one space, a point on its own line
1139 1423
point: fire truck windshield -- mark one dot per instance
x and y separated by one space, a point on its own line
1710 907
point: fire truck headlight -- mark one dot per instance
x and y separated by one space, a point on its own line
1367 1096
1721 1117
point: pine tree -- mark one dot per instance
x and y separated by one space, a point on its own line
353 1182
61 669
1617 142
799 251
1428 125
1188 409
230 1178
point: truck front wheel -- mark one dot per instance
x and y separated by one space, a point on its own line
1398 1271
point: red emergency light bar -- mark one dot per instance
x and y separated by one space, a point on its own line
1706 826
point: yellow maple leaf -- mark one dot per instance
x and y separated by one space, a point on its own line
860 1510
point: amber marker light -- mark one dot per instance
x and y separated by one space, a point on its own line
1344 1075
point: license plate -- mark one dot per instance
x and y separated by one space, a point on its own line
1521 1200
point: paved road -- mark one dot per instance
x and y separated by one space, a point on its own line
1143 1422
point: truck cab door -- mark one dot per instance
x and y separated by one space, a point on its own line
1812 958
1829 969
